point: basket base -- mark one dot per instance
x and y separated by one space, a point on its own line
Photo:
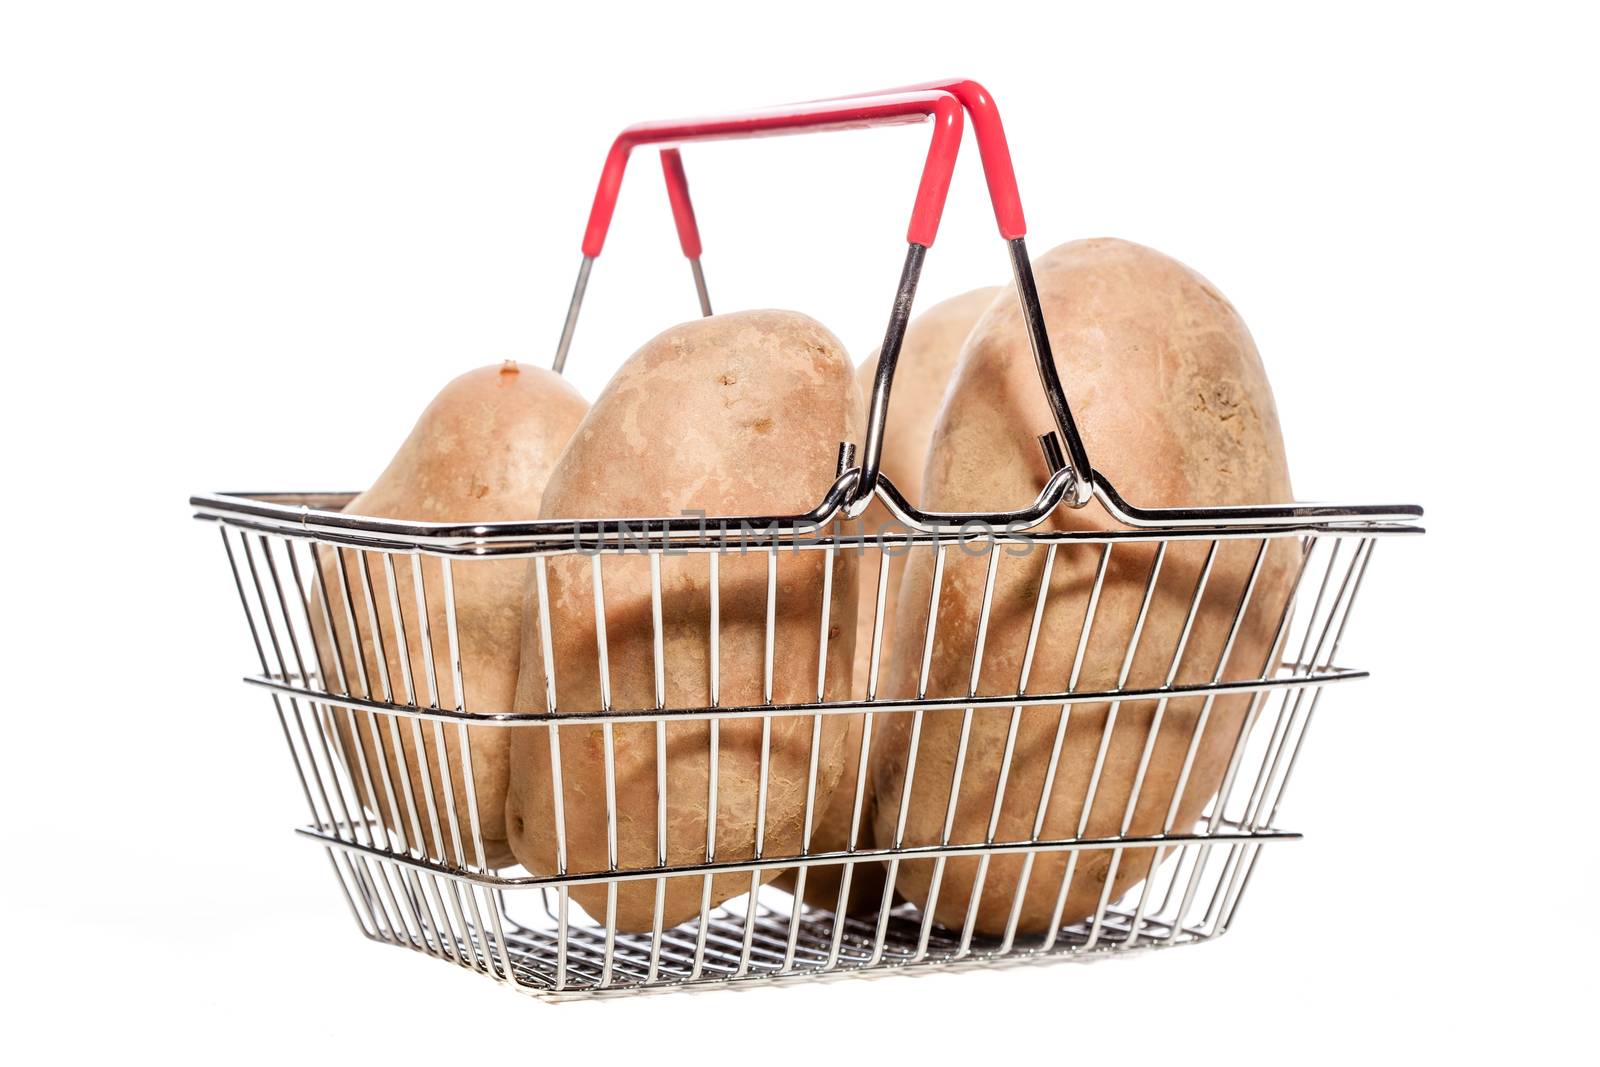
533 952
528 955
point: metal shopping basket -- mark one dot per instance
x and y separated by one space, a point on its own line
386 754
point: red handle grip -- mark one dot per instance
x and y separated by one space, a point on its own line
889 109
992 148
682 206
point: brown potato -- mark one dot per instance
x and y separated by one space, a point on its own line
831 833
481 452
1175 410
927 358
736 414
922 375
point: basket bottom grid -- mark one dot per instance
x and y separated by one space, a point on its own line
533 952
514 935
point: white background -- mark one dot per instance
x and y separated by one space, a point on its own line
241 246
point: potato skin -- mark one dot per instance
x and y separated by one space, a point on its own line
737 414
831 833
922 375
481 452
927 358
1175 409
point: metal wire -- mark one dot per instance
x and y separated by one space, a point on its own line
368 686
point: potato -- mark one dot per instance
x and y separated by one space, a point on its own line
481 452
738 414
1175 409
922 374
831 833
927 357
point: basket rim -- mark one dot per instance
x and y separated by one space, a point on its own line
317 514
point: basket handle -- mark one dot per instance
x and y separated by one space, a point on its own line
944 102
845 113
993 150
1067 451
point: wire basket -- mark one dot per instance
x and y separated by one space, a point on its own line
1112 790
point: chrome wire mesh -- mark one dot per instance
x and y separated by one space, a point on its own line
386 761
